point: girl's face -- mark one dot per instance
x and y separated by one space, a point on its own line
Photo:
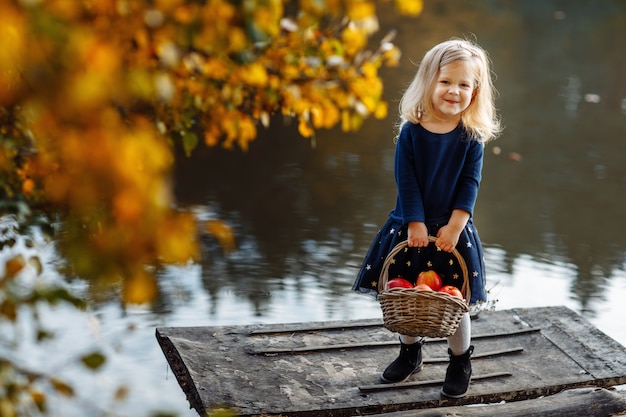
454 90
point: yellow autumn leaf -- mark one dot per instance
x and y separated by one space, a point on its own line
366 87
410 7
176 238
14 265
14 36
140 83
28 186
141 288
317 117
220 10
304 128
127 207
356 121
167 5
381 110
216 69
224 234
211 136
290 72
331 47
370 71
185 13
237 40
57 186
341 98
360 9
61 387
8 309
39 398
391 56
370 103
345 121
7 408
332 116
65 9
353 39
87 90
254 75
101 57
314 7
247 132
267 16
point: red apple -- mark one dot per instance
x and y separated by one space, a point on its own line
430 278
452 290
399 283
423 287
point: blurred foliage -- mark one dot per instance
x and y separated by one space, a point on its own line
95 94
24 291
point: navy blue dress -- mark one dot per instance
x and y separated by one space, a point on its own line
435 174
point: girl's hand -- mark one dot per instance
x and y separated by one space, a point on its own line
417 235
447 238
448 235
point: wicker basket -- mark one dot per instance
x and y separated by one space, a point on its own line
411 312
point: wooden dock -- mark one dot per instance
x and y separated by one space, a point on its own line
333 368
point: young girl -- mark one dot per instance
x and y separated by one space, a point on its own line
447 114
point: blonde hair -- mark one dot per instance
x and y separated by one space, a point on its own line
480 118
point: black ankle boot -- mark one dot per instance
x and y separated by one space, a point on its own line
409 361
458 374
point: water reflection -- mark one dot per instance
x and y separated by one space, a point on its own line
554 192
566 194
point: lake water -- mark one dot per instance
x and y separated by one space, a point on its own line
549 210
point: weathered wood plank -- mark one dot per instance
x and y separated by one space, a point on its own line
214 365
316 326
479 355
595 352
361 345
421 383
588 402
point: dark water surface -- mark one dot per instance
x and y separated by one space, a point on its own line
550 210
553 187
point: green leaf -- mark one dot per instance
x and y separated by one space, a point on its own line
55 295
43 334
190 141
94 360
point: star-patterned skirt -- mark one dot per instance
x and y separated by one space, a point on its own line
410 262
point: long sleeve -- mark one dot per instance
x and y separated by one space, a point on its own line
469 180
410 205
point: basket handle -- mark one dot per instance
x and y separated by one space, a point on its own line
384 275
